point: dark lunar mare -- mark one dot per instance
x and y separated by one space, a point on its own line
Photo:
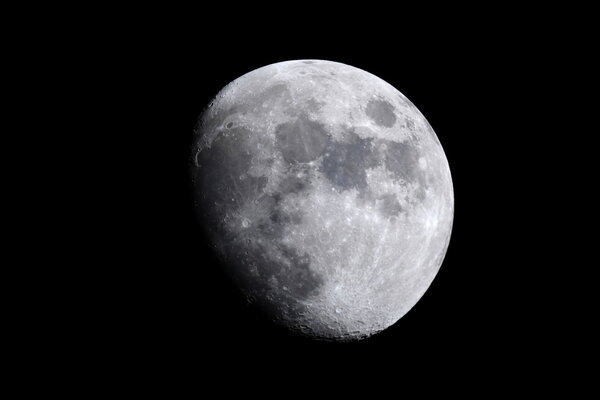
402 160
345 163
301 141
381 112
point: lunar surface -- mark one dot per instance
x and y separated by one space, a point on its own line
326 195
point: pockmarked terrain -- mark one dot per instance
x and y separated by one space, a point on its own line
326 195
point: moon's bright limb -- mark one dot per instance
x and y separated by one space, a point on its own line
326 194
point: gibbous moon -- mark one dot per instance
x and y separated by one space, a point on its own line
326 195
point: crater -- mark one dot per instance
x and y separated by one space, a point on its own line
381 112
308 62
301 141
212 120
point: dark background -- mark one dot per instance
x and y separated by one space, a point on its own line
475 307
161 306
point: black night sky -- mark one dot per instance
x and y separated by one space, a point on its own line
171 308
467 308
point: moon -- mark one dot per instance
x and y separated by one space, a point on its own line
326 195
